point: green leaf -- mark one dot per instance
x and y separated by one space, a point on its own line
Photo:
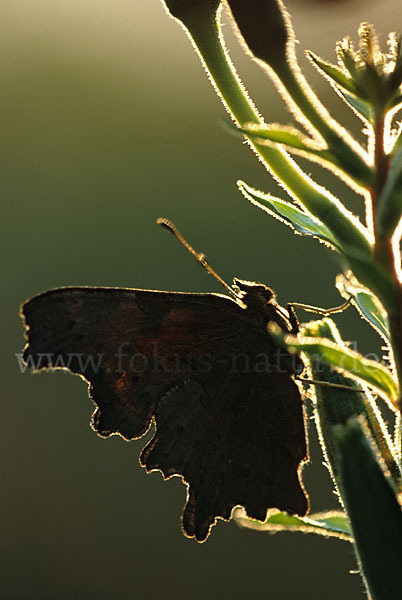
344 86
299 220
361 108
331 159
335 75
282 135
371 274
367 304
329 524
376 375
374 511
333 406
346 56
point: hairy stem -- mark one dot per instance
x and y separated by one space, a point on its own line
346 152
205 33
385 252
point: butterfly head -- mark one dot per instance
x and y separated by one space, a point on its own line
252 292
262 303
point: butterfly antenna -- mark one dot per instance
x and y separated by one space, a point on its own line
323 311
200 257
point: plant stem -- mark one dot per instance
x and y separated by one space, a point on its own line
205 33
384 251
267 30
348 154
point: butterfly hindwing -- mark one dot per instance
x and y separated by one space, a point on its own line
227 441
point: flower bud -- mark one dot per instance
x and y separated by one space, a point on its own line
265 27
188 10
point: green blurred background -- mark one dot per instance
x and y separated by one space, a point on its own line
108 122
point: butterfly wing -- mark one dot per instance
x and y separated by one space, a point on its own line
132 346
236 441
187 361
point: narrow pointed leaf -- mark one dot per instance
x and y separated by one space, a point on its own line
371 372
329 524
367 304
334 406
358 106
372 275
333 73
282 135
300 221
374 512
346 56
295 141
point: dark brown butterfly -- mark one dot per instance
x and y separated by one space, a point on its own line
204 368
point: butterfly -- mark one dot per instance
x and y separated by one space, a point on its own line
205 370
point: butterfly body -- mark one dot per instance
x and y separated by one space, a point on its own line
204 368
